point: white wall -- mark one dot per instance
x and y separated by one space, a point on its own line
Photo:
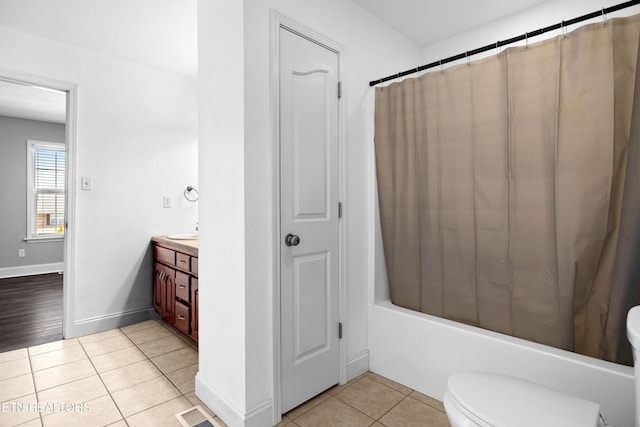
137 139
372 50
222 379
539 16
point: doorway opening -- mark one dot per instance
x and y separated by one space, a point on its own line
37 146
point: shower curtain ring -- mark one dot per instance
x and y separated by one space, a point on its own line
604 16
526 41
564 29
466 55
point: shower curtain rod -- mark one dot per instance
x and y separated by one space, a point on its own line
498 44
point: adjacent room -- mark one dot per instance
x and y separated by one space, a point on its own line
33 162
298 213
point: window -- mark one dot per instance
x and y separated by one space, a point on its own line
45 189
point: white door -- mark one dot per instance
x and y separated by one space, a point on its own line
309 247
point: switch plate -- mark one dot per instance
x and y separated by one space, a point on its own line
21 253
87 185
166 201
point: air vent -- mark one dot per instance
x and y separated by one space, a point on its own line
195 417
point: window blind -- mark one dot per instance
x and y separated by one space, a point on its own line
47 189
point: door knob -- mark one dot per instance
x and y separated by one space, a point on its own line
292 240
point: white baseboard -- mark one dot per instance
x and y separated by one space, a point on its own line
357 365
31 270
260 416
110 321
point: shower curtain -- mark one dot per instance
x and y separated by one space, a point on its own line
509 190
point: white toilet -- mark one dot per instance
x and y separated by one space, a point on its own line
491 400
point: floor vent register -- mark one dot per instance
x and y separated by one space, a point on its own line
195 417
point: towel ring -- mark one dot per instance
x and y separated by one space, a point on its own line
187 193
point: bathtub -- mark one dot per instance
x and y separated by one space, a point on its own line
421 351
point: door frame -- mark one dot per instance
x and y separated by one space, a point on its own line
279 21
69 249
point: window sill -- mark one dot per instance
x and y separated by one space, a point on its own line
44 239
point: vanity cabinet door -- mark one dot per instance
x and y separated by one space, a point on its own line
194 308
164 291
157 287
194 265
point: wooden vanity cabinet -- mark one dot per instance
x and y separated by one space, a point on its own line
175 285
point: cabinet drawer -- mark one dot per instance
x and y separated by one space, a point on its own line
183 261
182 317
165 255
182 286
194 265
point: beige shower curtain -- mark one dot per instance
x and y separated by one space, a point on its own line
501 190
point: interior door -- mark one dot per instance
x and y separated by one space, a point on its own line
309 166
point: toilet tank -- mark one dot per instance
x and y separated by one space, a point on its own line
633 334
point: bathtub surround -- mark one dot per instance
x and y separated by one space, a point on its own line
501 190
431 349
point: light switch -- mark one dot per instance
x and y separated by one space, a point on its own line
166 201
86 183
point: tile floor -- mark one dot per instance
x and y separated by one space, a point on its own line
368 400
143 374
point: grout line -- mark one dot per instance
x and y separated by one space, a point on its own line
33 380
103 384
390 409
184 395
99 374
190 342
162 373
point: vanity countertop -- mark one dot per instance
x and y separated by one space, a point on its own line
188 245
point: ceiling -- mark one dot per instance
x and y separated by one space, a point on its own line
163 33
157 33
29 102
426 22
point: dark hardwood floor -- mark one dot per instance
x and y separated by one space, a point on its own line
30 310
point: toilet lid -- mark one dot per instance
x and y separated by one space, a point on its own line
499 400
